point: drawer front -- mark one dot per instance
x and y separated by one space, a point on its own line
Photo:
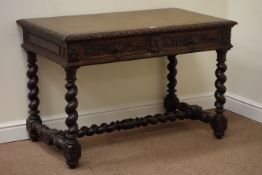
189 42
129 48
110 50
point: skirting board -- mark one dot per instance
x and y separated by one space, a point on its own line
14 131
243 106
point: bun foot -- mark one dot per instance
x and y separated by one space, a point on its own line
219 125
72 153
219 135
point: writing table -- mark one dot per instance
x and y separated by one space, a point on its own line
74 41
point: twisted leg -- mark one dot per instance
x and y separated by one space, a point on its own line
73 149
171 102
219 122
33 117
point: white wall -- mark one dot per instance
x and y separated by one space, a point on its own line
103 85
245 59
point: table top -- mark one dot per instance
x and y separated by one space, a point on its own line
121 23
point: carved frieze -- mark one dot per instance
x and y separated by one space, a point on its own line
124 48
114 48
189 40
171 41
154 44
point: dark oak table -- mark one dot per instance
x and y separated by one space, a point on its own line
74 41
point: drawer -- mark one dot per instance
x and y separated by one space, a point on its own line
189 42
128 48
110 50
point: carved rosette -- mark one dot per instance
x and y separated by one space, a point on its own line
33 117
73 54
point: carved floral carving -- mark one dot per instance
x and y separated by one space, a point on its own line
114 48
154 44
189 40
